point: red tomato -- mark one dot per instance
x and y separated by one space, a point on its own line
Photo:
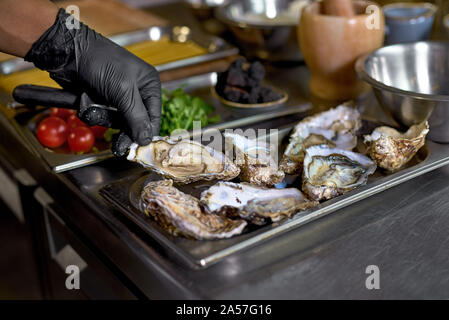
81 139
98 131
73 122
61 113
52 132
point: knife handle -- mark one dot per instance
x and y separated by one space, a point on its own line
91 114
32 95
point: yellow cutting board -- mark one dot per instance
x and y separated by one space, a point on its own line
155 53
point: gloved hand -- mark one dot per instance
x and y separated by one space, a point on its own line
85 62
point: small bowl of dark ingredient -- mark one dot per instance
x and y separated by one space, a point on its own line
241 86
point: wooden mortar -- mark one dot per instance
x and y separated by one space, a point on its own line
343 8
331 45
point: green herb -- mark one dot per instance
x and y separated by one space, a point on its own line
109 133
95 149
180 110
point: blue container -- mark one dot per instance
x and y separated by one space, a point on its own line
408 22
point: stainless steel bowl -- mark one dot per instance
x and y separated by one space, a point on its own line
203 9
263 28
411 83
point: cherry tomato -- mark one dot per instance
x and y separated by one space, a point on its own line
98 132
81 139
52 132
61 113
74 122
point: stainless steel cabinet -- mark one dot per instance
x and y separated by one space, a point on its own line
66 252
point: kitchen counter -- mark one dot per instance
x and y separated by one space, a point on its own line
403 231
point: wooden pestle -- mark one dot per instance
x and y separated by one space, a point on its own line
338 8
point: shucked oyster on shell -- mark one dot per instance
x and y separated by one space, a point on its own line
182 214
255 204
183 161
255 160
329 172
335 127
391 149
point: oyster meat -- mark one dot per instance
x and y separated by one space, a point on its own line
183 161
255 160
335 127
391 149
255 204
329 172
182 214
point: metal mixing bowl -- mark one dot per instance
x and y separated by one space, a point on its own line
411 83
263 28
203 9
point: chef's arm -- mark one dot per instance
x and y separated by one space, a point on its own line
23 22
82 61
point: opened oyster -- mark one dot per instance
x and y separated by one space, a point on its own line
391 149
329 172
183 161
182 214
335 127
255 160
255 204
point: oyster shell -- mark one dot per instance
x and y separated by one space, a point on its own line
391 149
329 172
255 204
183 161
335 127
254 158
182 214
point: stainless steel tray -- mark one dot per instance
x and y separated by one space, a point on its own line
216 47
124 194
62 159
198 86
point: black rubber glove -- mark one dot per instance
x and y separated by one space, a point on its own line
83 61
